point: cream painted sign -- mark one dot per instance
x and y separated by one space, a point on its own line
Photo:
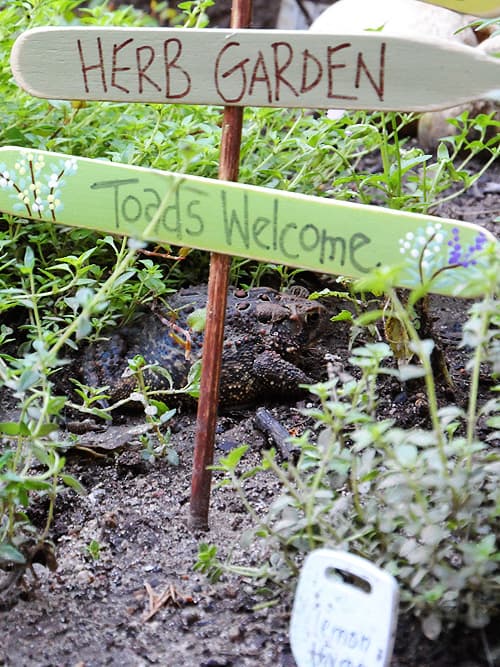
251 67
314 233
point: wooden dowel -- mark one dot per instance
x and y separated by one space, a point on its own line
218 283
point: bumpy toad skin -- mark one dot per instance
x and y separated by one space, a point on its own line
266 334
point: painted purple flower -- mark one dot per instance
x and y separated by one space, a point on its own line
460 256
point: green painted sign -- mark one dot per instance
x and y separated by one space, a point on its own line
314 233
474 7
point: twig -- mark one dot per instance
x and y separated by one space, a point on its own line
156 602
266 423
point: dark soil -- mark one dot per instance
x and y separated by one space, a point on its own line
91 613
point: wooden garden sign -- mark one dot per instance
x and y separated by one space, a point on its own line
315 233
252 67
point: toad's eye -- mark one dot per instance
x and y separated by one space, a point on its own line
265 316
313 318
241 294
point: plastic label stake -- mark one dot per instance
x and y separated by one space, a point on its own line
344 613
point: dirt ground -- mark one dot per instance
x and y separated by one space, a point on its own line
91 613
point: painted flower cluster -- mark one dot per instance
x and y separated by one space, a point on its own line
444 257
36 185
465 256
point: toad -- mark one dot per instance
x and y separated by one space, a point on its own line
266 338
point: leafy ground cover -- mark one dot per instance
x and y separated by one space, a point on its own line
400 468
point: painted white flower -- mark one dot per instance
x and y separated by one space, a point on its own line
53 180
5 180
70 164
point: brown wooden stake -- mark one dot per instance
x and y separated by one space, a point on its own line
218 282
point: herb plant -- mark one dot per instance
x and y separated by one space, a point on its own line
423 503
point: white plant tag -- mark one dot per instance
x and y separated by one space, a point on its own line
344 613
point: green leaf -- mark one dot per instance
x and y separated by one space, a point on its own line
45 429
14 428
432 626
28 379
231 461
29 259
173 457
14 136
73 483
36 485
368 318
10 554
197 319
343 316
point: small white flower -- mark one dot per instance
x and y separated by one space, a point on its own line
53 180
414 253
435 248
150 410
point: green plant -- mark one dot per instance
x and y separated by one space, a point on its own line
93 549
207 561
423 503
